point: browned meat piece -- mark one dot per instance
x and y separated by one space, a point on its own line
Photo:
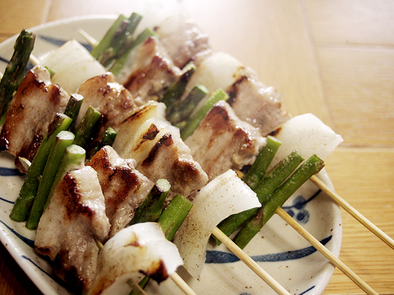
68 229
109 97
183 40
32 109
222 141
159 151
149 71
256 103
250 99
124 187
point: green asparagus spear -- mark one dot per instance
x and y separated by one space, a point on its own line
193 123
310 167
15 70
108 139
181 112
123 40
151 207
119 63
117 40
63 139
173 215
263 190
85 127
73 107
172 95
29 188
105 43
73 158
262 162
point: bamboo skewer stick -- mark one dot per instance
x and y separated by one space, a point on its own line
249 261
334 260
136 288
352 211
34 60
182 284
88 38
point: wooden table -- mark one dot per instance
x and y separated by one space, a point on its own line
331 58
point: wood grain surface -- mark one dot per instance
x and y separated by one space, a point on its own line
331 58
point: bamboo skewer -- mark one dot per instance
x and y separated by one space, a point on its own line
136 288
182 284
249 262
34 60
352 211
334 260
88 38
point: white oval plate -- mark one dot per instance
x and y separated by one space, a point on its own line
283 253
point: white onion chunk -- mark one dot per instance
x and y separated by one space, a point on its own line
225 195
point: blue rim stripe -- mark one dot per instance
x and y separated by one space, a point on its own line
220 257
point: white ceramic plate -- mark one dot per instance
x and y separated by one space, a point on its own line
285 255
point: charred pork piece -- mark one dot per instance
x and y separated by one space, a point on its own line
181 37
110 98
251 100
124 187
70 226
32 109
148 71
107 96
222 141
256 103
183 40
159 151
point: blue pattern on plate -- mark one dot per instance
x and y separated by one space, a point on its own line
297 210
9 172
225 257
22 238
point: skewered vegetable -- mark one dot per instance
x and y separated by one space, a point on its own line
62 141
73 108
195 120
85 127
117 40
73 159
218 199
151 207
29 188
263 189
15 70
310 167
138 249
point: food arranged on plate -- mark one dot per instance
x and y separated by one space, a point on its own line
134 152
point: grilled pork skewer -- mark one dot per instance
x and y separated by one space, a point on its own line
32 109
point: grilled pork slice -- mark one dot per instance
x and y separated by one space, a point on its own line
183 40
251 100
32 109
124 187
110 98
159 151
71 224
148 71
256 103
222 141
